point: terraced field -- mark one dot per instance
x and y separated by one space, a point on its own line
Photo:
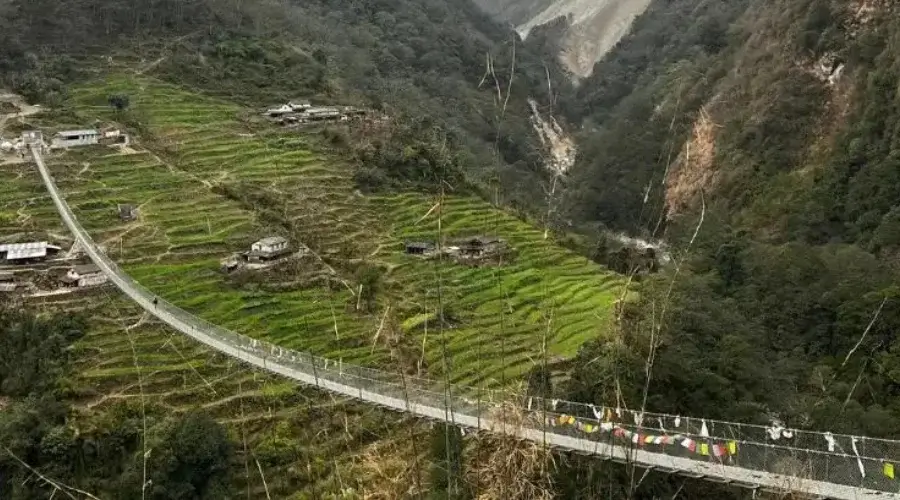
506 312
127 357
502 314
193 154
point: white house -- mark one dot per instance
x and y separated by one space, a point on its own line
7 282
299 106
84 275
75 138
269 248
280 110
32 137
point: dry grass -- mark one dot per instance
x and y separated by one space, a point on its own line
499 466
390 469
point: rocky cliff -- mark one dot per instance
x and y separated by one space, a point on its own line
594 26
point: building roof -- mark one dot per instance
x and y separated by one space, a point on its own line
272 241
284 108
26 253
31 250
67 133
127 209
6 247
86 269
481 240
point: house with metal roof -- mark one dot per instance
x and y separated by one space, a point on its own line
279 111
23 253
128 212
84 275
269 248
418 247
75 138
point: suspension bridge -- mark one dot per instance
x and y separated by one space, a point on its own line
762 458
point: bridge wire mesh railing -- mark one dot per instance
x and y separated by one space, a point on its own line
804 455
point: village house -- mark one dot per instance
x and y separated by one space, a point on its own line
323 113
480 246
32 137
7 282
84 275
299 106
114 138
75 138
418 248
269 248
26 253
279 111
128 212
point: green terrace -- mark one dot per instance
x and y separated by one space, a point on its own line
190 147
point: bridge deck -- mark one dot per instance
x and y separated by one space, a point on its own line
414 397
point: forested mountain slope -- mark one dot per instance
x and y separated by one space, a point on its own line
762 140
412 58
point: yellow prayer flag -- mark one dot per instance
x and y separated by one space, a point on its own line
704 449
571 420
648 440
889 470
588 428
732 448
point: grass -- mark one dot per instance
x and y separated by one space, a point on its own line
189 146
186 227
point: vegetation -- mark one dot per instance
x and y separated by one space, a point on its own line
210 183
782 297
411 59
758 138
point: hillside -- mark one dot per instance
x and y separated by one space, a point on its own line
757 140
412 59
208 180
760 140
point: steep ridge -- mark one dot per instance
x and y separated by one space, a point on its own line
761 141
593 26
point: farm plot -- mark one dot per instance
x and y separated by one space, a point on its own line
504 313
499 316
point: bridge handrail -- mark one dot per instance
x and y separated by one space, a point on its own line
433 399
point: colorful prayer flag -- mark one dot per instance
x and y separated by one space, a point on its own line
690 444
571 420
563 419
718 450
889 470
704 449
649 439
636 438
619 432
732 447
